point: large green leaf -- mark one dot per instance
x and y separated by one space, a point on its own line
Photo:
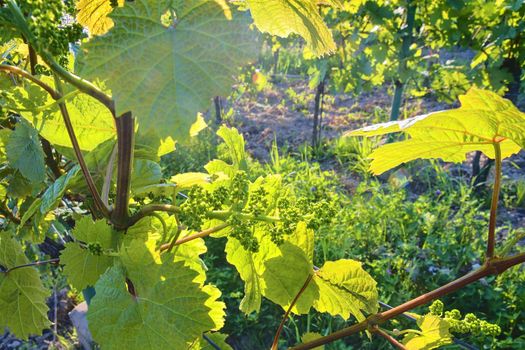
285 17
25 153
483 120
434 333
167 309
167 72
22 295
83 261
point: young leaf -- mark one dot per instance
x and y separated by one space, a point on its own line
434 333
25 154
345 289
22 295
246 263
84 265
235 143
483 120
285 17
164 73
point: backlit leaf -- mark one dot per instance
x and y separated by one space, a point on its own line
483 120
93 14
166 72
168 309
22 295
82 266
25 153
301 17
434 333
345 289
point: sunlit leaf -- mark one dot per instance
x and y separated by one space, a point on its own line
483 120
22 295
166 70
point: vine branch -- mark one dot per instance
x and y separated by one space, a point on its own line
491 241
18 71
78 153
36 263
200 234
125 147
388 337
149 209
491 267
275 343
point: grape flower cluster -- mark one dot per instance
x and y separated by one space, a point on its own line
469 324
200 201
46 23
249 210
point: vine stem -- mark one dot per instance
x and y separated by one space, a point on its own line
388 337
149 209
99 203
36 263
201 234
494 266
18 71
125 147
491 242
275 343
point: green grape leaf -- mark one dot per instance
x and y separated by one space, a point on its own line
4 139
246 263
54 193
82 266
168 308
25 153
188 180
434 333
304 239
22 295
285 17
234 141
164 73
92 122
263 273
145 173
483 120
217 338
285 275
93 14
345 289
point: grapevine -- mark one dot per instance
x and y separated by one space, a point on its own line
97 94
